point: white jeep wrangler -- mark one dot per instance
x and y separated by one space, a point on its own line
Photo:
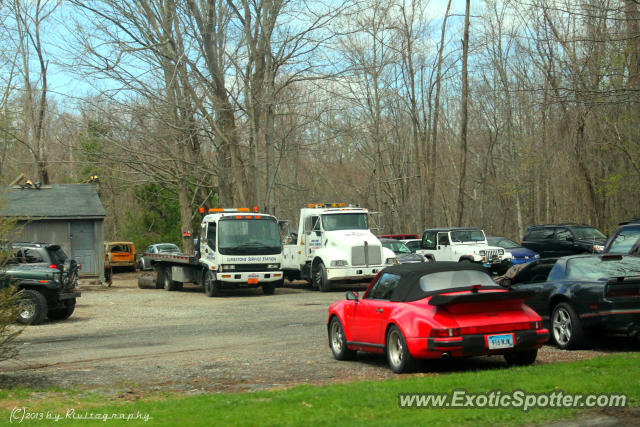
463 244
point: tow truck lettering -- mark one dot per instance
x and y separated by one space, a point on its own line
251 259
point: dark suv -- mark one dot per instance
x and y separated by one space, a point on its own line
626 239
40 253
556 240
47 278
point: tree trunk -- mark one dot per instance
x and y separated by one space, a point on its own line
464 115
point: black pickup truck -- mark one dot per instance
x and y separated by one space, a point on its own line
47 280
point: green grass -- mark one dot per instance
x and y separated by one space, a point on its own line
359 403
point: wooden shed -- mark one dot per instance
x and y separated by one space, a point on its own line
70 215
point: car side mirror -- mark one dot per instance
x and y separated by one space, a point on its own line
352 296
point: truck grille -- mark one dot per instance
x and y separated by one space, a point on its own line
366 255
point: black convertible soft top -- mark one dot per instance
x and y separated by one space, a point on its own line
409 287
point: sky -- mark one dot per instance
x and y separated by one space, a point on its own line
66 87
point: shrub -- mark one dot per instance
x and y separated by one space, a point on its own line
8 329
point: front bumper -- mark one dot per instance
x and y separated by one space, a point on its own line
353 273
474 345
120 264
248 279
515 261
68 295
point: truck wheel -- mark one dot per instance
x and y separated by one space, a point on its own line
319 277
169 284
32 307
269 288
63 313
159 277
211 285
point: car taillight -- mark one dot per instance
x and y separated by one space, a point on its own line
445 332
53 266
535 325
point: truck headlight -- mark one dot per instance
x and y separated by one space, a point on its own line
482 253
391 261
339 263
227 267
273 266
500 251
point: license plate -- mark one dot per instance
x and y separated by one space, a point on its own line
495 342
253 276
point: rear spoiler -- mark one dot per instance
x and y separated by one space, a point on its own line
444 300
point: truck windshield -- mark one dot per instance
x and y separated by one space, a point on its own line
345 221
249 237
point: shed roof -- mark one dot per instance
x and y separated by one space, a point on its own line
59 201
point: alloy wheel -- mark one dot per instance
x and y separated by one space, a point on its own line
562 326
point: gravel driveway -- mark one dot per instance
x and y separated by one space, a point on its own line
124 339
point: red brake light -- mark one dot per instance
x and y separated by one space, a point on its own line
53 266
445 333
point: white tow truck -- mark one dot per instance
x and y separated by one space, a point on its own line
334 243
237 248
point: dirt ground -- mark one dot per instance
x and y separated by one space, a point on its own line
129 341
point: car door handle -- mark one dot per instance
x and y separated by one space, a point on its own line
379 310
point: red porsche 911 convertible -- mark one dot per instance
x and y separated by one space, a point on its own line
435 310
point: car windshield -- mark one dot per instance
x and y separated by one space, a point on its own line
454 279
397 247
594 268
587 233
467 236
502 242
625 240
249 237
413 244
168 247
344 221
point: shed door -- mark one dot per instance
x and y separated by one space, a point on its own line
83 246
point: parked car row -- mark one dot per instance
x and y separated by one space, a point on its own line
539 241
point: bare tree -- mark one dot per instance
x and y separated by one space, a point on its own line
464 114
29 18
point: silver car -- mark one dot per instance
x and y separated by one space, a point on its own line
158 248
